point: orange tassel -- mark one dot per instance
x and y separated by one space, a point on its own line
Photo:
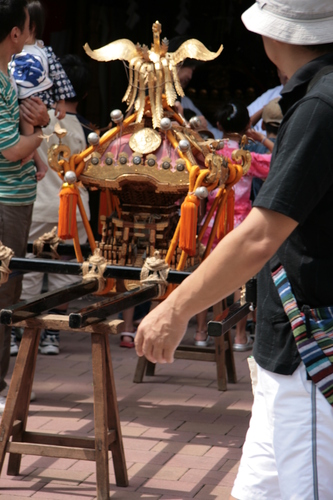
67 212
188 224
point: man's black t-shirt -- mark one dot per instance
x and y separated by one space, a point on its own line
300 186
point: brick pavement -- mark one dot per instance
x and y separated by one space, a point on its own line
182 437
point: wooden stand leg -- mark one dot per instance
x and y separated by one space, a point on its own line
18 398
117 449
143 367
140 370
105 416
222 354
150 370
230 360
220 363
100 416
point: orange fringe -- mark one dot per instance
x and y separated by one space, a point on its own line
67 212
188 224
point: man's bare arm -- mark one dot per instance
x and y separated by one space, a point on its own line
25 147
238 257
256 117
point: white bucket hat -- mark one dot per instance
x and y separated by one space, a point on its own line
298 22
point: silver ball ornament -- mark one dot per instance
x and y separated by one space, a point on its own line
201 192
165 123
184 145
93 139
195 122
117 116
70 177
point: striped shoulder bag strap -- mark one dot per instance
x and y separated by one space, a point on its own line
314 339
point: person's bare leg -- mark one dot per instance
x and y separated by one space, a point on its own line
201 332
241 335
128 323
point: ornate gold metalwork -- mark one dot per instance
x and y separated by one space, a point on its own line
151 160
116 176
57 154
141 189
145 141
245 157
218 169
154 69
59 131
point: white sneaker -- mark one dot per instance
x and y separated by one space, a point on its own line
13 345
49 345
2 404
3 399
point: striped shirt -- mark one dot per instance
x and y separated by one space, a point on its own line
17 182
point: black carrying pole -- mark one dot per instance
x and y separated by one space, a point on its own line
101 310
44 302
225 321
62 249
75 268
93 314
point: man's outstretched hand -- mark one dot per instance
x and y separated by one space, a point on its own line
159 333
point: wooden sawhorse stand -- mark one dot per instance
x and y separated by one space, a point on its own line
107 424
221 353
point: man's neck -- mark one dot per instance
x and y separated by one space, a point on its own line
293 57
31 40
5 57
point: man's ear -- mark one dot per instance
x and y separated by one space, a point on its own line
14 34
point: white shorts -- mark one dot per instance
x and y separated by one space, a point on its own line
288 451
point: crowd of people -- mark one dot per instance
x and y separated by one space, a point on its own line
281 234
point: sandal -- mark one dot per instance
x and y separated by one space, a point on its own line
244 347
127 343
202 343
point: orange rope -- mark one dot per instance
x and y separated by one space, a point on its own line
77 247
236 174
107 136
175 115
182 261
173 245
172 139
86 223
215 225
210 213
